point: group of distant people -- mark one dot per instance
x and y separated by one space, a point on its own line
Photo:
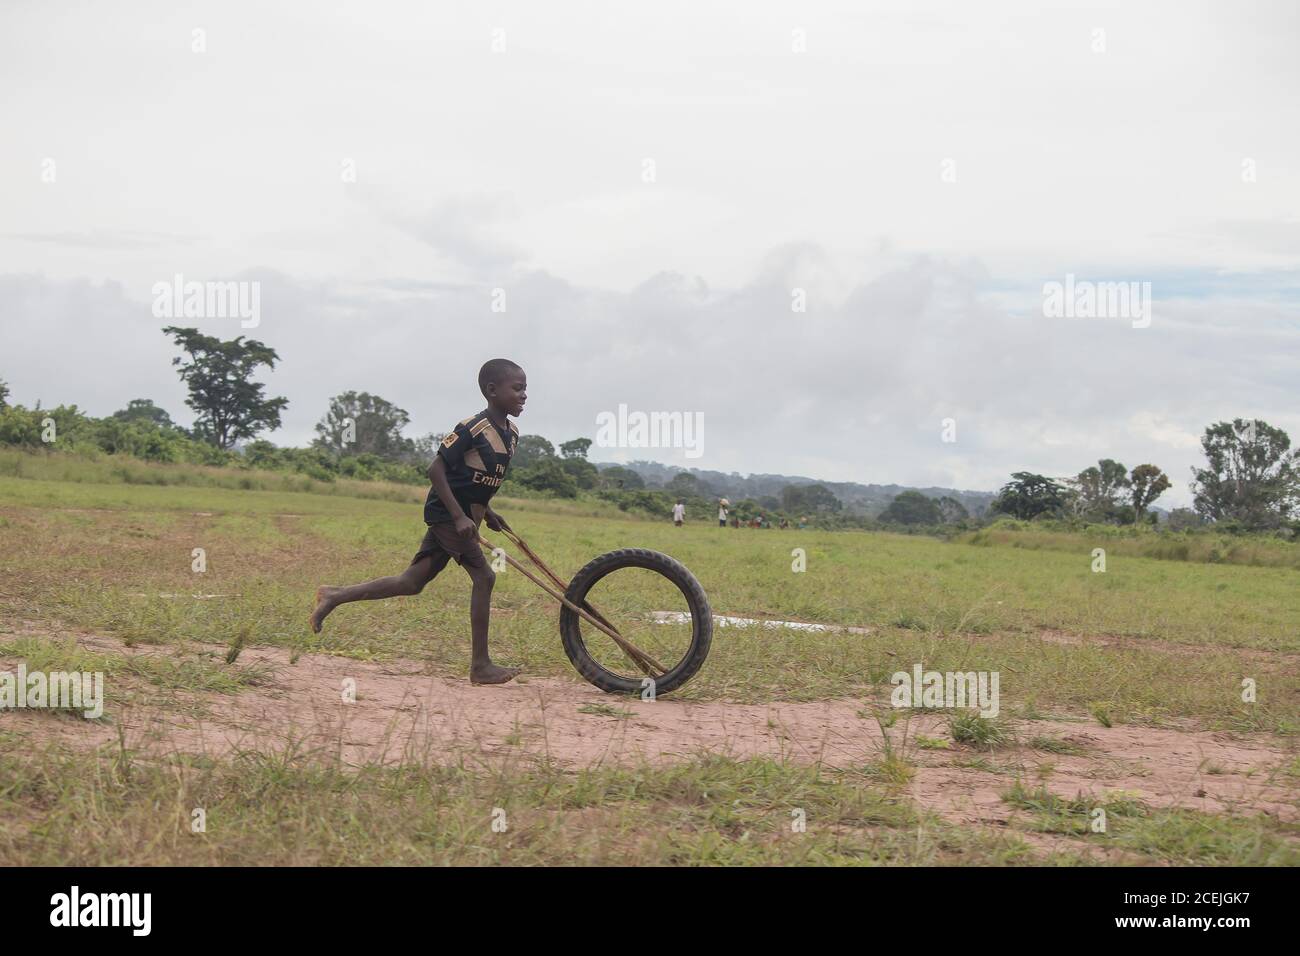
758 521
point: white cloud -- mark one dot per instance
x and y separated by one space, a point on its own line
855 391
774 170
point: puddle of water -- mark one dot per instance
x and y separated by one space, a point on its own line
198 597
725 620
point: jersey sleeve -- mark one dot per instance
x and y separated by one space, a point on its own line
454 445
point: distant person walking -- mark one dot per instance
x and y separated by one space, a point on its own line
722 513
679 512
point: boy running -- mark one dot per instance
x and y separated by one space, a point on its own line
466 472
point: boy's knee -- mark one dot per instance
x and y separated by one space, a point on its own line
412 584
484 576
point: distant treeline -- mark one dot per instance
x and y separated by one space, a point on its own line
1251 480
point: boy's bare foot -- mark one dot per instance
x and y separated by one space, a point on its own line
324 605
492 674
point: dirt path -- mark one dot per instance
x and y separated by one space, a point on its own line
399 711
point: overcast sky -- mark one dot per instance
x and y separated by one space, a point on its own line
920 170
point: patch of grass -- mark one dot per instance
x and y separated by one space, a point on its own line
127 545
177 671
1180 837
1185 837
605 710
893 765
115 554
1117 802
1056 745
236 646
893 769
1057 814
298 808
968 727
982 764
124 470
1143 542
1102 714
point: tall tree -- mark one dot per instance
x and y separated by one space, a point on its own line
144 410
1100 488
359 423
581 470
1027 495
815 498
530 450
912 507
1180 519
951 510
792 499
425 447
1252 476
229 404
546 474
1147 483
576 448
4 393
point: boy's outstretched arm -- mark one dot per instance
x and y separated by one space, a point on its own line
438 477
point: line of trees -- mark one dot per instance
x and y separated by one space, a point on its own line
917 509
1104 493
1251 482
231 410
1251 479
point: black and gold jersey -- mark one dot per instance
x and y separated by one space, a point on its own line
476 454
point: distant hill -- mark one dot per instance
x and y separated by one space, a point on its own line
856 498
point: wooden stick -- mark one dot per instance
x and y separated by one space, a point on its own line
559 582
640 657
564 586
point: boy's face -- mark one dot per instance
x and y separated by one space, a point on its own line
509 393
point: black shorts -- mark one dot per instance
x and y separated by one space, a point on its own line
442 543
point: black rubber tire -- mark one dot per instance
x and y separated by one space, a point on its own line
674 571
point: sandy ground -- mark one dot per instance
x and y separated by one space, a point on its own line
400 711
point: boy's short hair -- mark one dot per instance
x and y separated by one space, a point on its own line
492 371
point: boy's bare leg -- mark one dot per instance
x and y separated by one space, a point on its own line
410 581
481 668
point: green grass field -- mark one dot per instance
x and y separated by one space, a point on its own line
1151 643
